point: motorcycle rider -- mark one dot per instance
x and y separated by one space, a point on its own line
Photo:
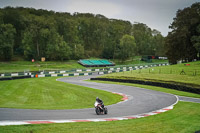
99 101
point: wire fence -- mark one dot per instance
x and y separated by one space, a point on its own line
176 71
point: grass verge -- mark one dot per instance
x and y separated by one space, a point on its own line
20 66
166 74
47 93
137 60
161 89
184 118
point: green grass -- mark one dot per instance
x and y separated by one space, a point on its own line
169 74
184 118
28 93
47 93
137 60
161 89
20 66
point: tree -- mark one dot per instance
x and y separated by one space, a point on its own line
180 41
157 44
78 52
127 47
14 17
172 46
42 33
7 32
28 44
63 52
56 47
68 29
196 40
36 36
144 39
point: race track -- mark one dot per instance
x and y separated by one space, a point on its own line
139 101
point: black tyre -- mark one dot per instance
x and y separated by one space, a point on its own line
105 111
97 111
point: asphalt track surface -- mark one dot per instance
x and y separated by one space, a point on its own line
140 101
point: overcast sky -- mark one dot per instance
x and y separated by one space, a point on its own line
157 14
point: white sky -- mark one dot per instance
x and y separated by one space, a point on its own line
157 14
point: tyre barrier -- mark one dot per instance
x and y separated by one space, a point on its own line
18 77
61 75
45 75
158 84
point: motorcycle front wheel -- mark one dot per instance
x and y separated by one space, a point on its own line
97 110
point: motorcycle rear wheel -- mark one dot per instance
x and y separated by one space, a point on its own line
105 111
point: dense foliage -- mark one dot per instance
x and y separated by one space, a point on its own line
31 33
183 42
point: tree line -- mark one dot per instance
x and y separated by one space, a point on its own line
32 34
183 42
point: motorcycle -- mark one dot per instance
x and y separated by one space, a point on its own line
99 109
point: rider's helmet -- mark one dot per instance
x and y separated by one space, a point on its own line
97 98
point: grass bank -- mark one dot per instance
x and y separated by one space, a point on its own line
161 89
47 93
137 60
183 118
20 66
188 75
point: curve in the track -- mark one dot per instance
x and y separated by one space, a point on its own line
140 101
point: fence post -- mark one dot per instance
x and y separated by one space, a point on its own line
194 73
182 72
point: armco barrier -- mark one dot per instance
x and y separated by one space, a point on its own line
44 75
81 70
60 75
165 85
65 73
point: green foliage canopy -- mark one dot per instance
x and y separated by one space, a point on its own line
127 47
63 36
182 43
7 32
